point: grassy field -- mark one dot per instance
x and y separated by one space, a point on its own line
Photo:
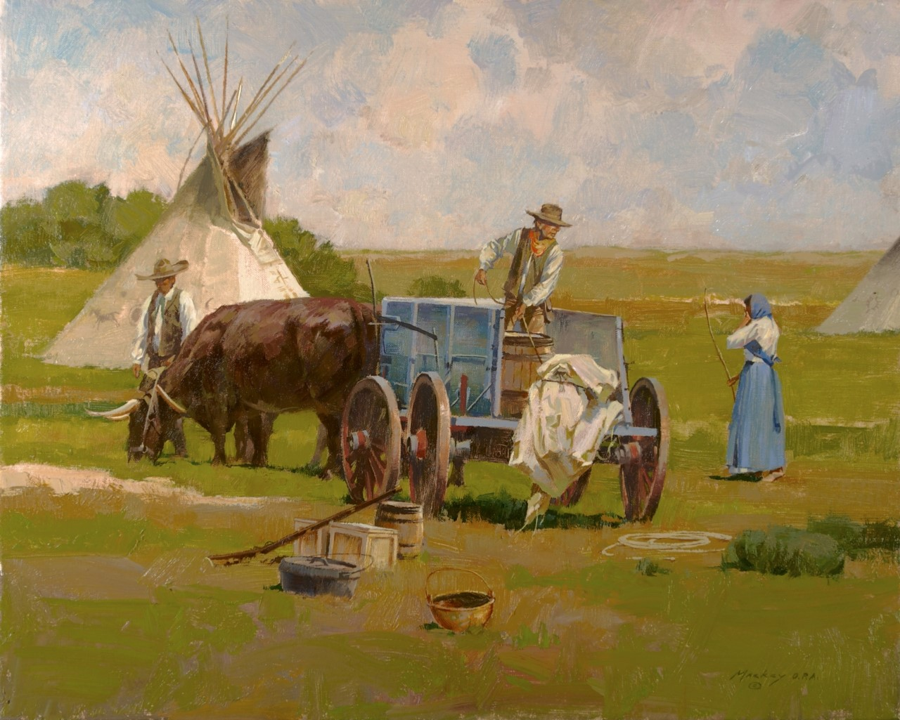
109 608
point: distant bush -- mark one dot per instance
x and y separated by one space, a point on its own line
316 265
436 286
784 551
77 226
856 539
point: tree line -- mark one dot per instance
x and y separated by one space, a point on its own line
88 227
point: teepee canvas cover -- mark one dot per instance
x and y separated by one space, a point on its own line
874 305
214 222
230 262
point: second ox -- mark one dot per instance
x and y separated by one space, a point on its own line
246 363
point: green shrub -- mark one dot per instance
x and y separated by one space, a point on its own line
435 286
502 509
317 266
648 567
857 539
77 226
784 551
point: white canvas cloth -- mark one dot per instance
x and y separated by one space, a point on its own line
568 415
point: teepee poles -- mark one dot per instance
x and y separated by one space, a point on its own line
200 86
225 136
184 94
198 103
274 97
238 102
225 79
212 92
260 94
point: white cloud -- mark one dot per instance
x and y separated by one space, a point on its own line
421 125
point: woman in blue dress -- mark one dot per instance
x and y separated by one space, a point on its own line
756 432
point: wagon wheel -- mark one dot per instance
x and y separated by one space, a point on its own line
642 460
428 442
572 494
370 439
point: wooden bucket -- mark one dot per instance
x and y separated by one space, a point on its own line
406 518
521 360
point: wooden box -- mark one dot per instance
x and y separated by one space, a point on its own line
354 542
314 543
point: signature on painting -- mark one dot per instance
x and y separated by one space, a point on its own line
766 679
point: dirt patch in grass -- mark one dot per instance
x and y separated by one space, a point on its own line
51 394
71 481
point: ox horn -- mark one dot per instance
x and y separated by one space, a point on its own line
170 402
120 413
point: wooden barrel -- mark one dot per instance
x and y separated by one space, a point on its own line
407 520
520 364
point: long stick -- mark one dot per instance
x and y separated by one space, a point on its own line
374 311
200 84
212 90
188 159
183 92
528 333
255 100
230 558
225 79
273 99
715 344
187 75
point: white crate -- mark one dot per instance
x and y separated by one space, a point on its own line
355 542
314 543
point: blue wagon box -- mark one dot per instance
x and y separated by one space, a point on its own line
444 395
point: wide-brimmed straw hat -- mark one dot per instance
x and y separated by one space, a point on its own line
550 213
164 269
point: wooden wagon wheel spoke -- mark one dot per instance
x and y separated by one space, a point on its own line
377 466
369 475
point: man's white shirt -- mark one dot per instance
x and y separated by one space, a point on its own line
187 315
540 293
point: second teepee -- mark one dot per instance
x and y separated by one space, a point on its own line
874 304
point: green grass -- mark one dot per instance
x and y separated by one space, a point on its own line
109 609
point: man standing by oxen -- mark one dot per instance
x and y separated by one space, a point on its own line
537 261
167 318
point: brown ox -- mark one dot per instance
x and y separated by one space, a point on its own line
246 363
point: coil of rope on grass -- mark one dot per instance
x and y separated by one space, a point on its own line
679 541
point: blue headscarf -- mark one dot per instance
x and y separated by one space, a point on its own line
759 306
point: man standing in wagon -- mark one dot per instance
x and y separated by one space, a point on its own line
167 318
537 260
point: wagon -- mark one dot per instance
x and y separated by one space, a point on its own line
441 398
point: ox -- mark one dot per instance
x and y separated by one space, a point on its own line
246 363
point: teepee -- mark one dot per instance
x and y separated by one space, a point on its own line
874 305
214 222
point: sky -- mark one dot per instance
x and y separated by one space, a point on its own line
429 124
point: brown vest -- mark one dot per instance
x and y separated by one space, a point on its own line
171 332
523 250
